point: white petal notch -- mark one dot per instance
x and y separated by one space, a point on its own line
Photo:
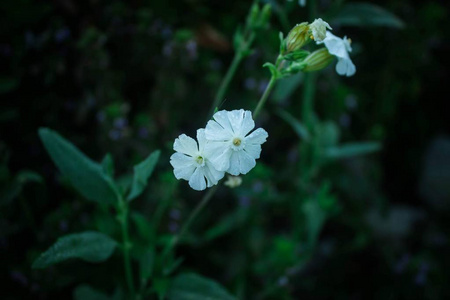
230 147
191 163
341 49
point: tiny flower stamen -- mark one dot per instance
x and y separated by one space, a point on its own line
237 142
199 159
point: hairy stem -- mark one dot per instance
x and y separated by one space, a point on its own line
175 239
123 220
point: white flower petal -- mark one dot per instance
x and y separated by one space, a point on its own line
258 136
216 175
186 145
236 117
246 162
221 117
201 138
241 163
345 67
247 123
183 166
220 158
211 174
215 132
254 150
197 180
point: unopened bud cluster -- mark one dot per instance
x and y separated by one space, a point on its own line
297 59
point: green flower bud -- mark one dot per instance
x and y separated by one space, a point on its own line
317 60
265 14
253 16
297 37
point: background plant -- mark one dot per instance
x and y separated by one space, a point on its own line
128 78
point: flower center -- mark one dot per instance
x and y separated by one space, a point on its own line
199 159
237 142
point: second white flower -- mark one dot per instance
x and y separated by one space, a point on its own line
230 147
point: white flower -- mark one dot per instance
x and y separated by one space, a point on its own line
319 29
233 181
230 149
340 48
191 163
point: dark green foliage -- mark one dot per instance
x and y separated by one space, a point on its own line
88 177
90 246
191 286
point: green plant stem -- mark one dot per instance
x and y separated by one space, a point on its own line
226 81
123 220
264 97
175 239
269 87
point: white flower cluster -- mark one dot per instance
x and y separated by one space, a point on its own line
225 145
340 48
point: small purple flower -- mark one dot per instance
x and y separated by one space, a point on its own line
143 132
402 263
100 117
175 214
345 120
244 201
351 102
120 123
115 134
191 47
250 83
173 227
62 34
421 277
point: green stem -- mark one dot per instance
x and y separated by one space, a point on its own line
175 239
226 81
123 220
264 97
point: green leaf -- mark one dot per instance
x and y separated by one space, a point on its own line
298 127
352 149
85 292
191 286
366 14
108 165
90 246
146 263
273 70
85 175
315 217
142 172
143 226
327 133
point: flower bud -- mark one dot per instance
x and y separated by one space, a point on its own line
265 14
318 29
233 181
297 37
317 60
253 16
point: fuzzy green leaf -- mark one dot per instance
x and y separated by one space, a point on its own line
352 149
142 172
86 176
191 286
90 246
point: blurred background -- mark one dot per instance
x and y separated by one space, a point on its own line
127 77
